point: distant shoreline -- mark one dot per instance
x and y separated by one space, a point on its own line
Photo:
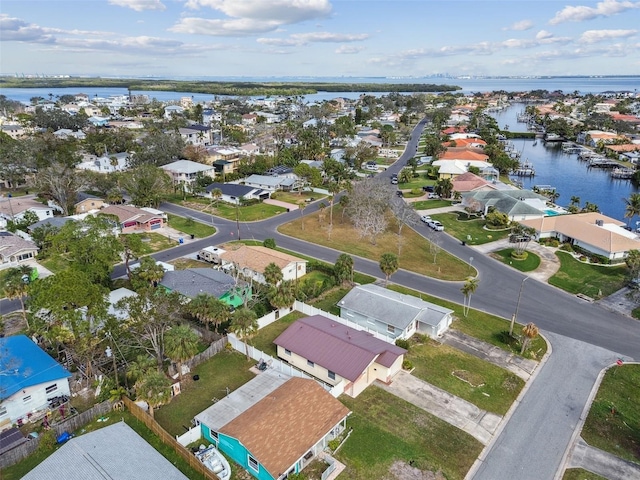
239 88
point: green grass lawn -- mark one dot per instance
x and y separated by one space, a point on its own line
481 325
154 242
414 253
529 264
224 370
613 423
263 340
54 263
429 204
387 429
580 474
22 468
249 213
595 281
295 197
328 302
190 226
487 386
471 231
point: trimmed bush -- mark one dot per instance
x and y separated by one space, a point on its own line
407 365
402 343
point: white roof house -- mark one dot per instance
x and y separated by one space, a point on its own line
186 171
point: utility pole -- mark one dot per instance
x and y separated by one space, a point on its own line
238 216
515 314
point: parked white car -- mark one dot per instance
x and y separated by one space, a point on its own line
436 225
425 218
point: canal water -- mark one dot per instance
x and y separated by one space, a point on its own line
570 176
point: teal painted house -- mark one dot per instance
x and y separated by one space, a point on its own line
194 281
274 425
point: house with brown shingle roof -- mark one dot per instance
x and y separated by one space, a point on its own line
252 260
133 219
470 182
15 250
591 231
274 425
339 355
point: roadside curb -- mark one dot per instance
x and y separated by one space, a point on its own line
583 417
485 451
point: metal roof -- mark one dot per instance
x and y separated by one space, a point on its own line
116 451
25 364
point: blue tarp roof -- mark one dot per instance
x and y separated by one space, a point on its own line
25 364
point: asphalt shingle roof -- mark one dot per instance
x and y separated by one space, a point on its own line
194 281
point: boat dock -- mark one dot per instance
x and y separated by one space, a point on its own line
622 173
524 170
603 163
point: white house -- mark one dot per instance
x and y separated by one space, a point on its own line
14 208
29 378
185 171
393 314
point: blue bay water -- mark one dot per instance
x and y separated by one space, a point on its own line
570 176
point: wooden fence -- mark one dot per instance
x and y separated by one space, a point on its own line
167 439
214 348
21 452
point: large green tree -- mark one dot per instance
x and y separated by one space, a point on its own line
147 185
209 310
181 345
389 265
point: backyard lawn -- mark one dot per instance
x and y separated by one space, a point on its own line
613 423
529 264
415 256
390 433
471 231
224 370
263 340
481 325
595 281
487 386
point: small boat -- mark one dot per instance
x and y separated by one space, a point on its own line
214 461
535 143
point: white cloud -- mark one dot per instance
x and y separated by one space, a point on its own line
348 49
17 30
139 5
543 34
314 37
223 28
580 13
520 26
594 36
280 11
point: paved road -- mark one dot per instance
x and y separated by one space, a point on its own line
534 441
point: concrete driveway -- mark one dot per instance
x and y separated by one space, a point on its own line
454 410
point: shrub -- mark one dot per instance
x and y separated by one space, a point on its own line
519 256
47 441
402 343
497 219
333 444
566 247
407 365
269 243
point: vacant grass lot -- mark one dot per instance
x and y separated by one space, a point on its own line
415 250
527 265
580 474
387 429
487 386
481 325
227 369
595 281
471 231
190 226
246 213
296 198
154 242
429 204
613 423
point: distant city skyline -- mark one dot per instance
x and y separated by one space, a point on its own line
319 38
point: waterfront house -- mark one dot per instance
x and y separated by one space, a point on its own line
592 231
274 425
517 204
453 168
470 182
343 357
393 314
30 376
115 451
252 260
194 281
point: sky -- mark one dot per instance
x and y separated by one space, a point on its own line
319 38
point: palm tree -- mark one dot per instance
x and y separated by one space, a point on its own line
244 324
388 265
209 309
530 331
138 368
216 194
469 288
575 200
181 343
283 295
17 286
443 187
632 206
153 387
273 274
343 269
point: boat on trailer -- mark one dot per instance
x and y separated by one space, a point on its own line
213 459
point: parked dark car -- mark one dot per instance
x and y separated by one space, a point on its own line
399 193
427 188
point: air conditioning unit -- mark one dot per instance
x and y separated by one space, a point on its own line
600 223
